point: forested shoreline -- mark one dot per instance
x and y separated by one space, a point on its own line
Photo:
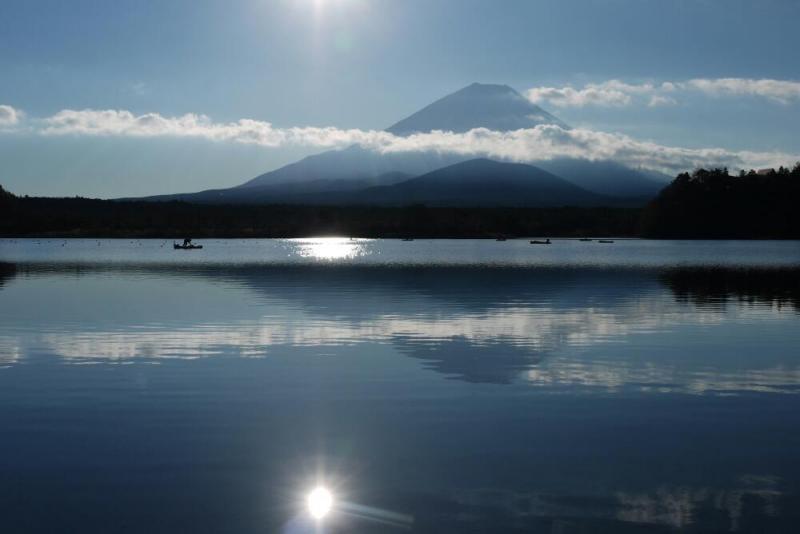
707 204
77 217
713 204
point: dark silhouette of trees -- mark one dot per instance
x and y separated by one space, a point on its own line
81 217
714 204
708 204
5 196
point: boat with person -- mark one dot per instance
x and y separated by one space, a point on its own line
187 245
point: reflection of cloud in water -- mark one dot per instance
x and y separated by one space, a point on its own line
680 507
662 378
527 329
10 350
479 325
690 509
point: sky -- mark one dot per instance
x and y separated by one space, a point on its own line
138 97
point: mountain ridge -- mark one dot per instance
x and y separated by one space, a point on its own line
481 182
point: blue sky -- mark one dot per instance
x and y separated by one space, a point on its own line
363 64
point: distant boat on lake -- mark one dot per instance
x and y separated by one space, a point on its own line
537 242
605 240
176 246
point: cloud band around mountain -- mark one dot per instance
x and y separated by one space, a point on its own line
543 142
615 93
9 116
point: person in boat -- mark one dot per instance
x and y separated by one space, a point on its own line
187 242
547 241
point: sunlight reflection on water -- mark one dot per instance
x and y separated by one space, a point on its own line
329 248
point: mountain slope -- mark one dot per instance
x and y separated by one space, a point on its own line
607 177
477 182
353 163
289 192
496 107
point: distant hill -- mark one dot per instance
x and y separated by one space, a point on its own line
353 163
475 183
289 192
608 177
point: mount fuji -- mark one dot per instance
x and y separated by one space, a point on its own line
344 173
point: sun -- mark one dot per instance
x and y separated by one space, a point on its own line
320 502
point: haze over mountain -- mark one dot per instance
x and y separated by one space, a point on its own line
353 163
476 182
607 177
340 173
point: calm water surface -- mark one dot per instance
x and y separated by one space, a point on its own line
432 386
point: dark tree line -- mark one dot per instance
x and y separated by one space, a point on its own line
5 196
80 217
708 204
713 204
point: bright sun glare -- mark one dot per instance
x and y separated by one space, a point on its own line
320 502
328 248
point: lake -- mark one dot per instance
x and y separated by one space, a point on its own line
435 386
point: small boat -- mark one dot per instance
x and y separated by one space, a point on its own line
537 242
408 239
605 240
584 239
186 247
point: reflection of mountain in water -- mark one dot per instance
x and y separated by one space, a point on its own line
497 361
481 325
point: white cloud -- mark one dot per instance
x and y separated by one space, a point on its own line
247 131
660 100
618 93
782 91
9 116
543 142
608 94
547 142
